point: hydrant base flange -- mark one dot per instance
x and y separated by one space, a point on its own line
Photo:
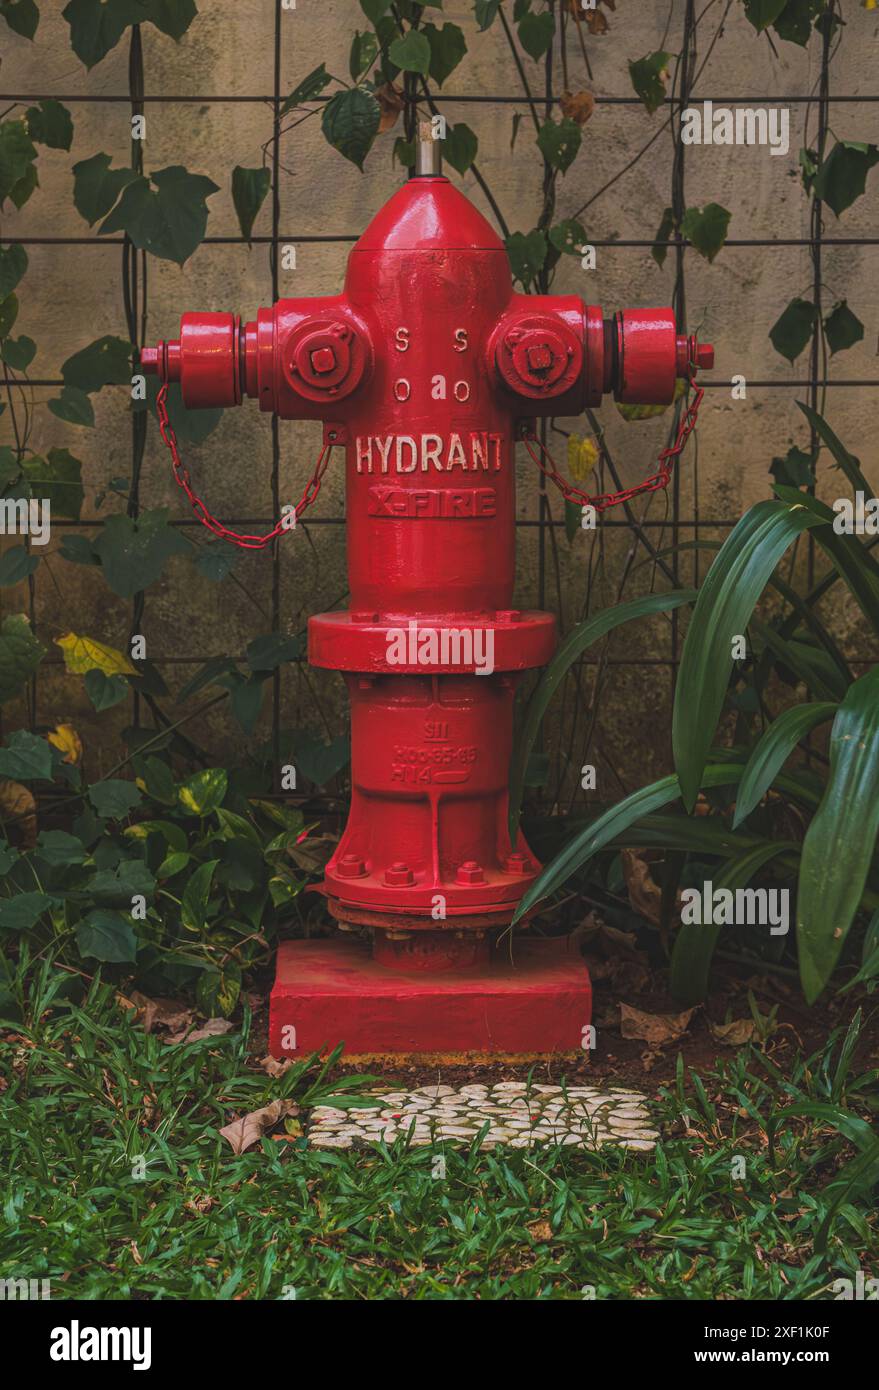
330 991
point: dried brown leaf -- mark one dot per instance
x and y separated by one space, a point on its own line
390 100
655 1029
645 894
213 1028
576 9
735 1034
273 1067
160 1013
577 106
539 1230
596 936
18 804
629 976
249 1129
200 1204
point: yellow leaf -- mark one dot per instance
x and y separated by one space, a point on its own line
82 654
648 412
65 737
869 4
582 457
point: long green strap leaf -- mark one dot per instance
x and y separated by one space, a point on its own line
693 834
726 601
841 839
808 615
696 942
850 465
852 559
773 750
809 662
798 785
613 823
581 637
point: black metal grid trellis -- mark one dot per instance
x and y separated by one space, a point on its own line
134 265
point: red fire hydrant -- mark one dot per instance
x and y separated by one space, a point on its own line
427 368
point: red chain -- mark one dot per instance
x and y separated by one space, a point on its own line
657 480
601 502
181 473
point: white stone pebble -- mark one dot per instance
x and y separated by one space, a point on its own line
516 1114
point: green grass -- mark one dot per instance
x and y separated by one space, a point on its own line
88 1093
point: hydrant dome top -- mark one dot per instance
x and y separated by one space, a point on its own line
429 213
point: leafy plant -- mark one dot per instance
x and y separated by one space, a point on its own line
387 64
173 882
833 861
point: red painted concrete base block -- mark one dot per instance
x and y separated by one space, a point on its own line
330 992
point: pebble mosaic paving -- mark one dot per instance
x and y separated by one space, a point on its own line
517 1114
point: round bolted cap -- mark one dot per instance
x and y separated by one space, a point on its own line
537 355
324 357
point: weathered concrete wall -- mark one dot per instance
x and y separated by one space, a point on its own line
72 294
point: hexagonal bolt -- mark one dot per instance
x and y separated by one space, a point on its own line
470 872
351 866
399 875
518 863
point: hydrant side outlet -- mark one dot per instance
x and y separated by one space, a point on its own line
424 367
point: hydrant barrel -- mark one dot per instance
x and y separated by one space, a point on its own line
431 480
